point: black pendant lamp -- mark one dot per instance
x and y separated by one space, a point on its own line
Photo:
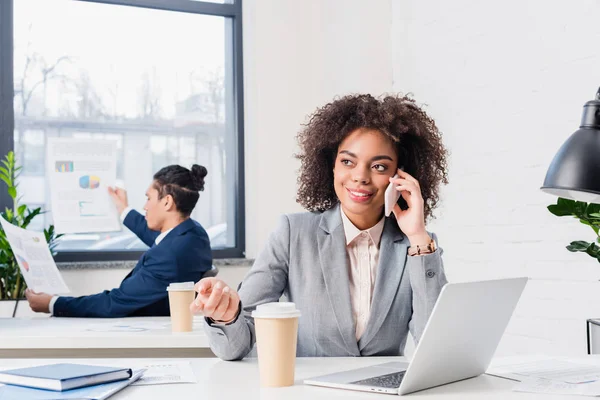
575 170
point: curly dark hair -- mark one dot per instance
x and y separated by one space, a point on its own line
418 146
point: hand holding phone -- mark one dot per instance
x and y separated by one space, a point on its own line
391 197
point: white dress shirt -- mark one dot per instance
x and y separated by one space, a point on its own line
158 239
363 253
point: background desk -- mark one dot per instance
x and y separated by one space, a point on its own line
72 337
237 380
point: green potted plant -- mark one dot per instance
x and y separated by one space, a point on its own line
12 284
588 214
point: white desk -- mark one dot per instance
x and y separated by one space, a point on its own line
239 380
91 337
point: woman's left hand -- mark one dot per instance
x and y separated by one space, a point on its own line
412 220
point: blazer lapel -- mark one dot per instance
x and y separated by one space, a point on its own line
334 264
392 257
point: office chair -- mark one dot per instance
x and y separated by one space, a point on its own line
211 272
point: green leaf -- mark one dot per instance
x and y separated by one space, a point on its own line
559 211
30 216
592 250
6 180
566 203
12 192
578 245
21 209
580 208
593 208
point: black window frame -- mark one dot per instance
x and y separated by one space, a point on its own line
227 10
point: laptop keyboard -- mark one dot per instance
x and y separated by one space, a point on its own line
387 381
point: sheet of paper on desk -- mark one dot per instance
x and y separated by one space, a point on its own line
35 261
550 369
128 327
165 373
547 386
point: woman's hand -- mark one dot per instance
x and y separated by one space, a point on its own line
216 300
412 220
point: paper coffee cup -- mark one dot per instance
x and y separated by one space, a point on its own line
276 337
181 295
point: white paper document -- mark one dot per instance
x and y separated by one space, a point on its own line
81 170
547 386
128 326
165 373
35 261
549 369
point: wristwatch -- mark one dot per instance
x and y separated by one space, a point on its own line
418 249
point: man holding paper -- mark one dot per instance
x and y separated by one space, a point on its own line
179 251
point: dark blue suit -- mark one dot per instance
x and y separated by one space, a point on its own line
183 255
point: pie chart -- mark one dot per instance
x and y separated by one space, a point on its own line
89 182
23 262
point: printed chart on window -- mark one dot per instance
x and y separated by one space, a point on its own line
34 259
81 170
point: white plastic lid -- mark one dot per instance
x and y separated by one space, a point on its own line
276 310
180 286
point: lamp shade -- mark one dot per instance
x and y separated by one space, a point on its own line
575 170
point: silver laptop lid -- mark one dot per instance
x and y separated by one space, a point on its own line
463 332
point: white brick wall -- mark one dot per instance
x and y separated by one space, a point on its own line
298 55
506 83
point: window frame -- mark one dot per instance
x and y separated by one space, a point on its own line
233 58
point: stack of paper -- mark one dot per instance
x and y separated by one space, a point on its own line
553 377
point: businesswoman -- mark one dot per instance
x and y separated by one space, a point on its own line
360 280
179 251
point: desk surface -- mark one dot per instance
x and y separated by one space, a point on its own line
79 333
239 380
107 337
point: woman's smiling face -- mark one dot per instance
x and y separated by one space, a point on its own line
365 161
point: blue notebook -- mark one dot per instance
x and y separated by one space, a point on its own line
98 392
61 377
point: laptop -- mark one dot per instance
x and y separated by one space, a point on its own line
459 341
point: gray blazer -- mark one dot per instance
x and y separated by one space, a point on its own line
305 259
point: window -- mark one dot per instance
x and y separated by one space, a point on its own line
168 150
30 147
163 81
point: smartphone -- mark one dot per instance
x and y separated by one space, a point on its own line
391 197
